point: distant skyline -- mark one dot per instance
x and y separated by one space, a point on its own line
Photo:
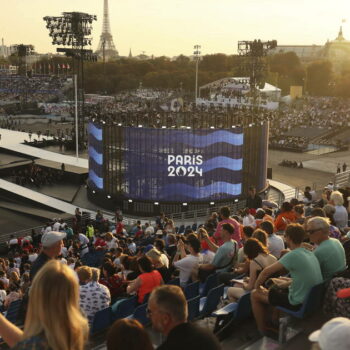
164 27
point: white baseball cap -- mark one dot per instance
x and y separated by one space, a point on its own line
50 238
334 334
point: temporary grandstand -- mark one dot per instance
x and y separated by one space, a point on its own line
235 92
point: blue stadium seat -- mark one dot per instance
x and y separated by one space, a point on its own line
191 290
210 283
102 320
209 303
312 303
13 310
193 308
228 317
175 281
140 314
194 227
123 308
182 229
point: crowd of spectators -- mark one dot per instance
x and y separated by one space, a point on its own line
36 175
303 238
35 89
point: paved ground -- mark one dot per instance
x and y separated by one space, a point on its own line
319 175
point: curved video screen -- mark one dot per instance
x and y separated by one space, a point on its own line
182 165
167 164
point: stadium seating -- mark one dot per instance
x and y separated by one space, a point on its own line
193 308
312 303
124 308
210 283
228 317
191 290
209 303
101 321
140 314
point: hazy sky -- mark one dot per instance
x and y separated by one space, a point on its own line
171 27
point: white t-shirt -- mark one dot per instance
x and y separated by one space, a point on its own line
112 243
33 257
275 245
64 252
149 230
186 266
13 241
249 220
56 226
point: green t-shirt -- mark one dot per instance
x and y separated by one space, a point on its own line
331 256
305 272
224 255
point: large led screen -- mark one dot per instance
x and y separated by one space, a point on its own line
182 165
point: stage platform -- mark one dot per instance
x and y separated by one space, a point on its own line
13 141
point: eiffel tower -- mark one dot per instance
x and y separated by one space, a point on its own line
106 45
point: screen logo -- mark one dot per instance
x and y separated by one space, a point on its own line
185 165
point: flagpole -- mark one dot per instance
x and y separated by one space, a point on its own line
76 116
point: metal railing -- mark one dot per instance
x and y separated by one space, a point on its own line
342 179
200 215
27 232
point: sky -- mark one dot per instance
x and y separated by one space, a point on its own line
173 27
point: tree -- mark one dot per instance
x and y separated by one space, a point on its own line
288 68
319 77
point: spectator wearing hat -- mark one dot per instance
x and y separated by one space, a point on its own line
52 243
334 334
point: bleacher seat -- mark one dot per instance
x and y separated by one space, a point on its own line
312 303
229 316
140 314
210 283
102 320
13 310
124 308
191 290
209 303
193 308
175 281
194 227
182 229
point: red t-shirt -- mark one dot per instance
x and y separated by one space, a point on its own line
149 281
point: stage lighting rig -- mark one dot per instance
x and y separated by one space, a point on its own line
253 62
73 31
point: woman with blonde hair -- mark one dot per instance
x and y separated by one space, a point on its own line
53 319
341 214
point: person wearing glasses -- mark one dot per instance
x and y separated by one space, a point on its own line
167 309
305 273
329 251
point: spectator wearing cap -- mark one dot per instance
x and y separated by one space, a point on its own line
167 309
329 252
334 334
52 243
